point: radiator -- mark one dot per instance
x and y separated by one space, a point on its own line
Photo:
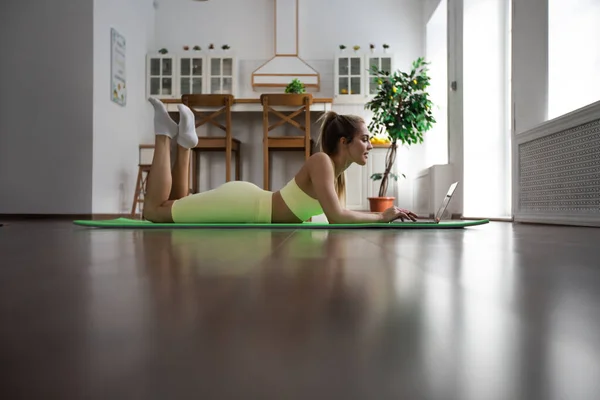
429 189
558 171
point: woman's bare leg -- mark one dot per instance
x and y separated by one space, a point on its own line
159 181
158 186
160 191
181 174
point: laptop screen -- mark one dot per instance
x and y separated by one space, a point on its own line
444 205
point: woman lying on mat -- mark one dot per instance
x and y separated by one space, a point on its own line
317 188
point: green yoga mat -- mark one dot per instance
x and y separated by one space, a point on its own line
138 224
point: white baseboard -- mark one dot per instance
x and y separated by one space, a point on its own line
557 219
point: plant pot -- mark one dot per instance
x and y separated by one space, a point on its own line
380 204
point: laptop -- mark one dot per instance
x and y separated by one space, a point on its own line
440 211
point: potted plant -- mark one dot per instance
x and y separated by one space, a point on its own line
402 110
295 86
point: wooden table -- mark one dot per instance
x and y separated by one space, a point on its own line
320 104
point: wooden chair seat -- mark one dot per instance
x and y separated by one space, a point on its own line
287 143
216 143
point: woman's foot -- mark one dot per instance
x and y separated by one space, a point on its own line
163 124
187 138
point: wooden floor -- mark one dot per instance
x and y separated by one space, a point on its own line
500 311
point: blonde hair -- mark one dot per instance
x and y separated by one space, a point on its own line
335 126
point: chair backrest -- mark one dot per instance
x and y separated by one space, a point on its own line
286 99
302 101
215 104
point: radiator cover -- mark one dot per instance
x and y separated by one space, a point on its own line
558 173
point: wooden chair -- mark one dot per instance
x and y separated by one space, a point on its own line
285 143
140 185
213 105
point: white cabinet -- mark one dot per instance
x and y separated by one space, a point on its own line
192 75
169 76
161 72
349 78
352 80
222 74
382 62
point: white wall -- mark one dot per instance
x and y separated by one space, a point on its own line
529 63
46 107
323 26
327 24
247 26
118 130
429 7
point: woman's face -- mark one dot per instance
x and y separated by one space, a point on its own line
358 149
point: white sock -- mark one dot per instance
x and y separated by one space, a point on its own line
187 137
163 124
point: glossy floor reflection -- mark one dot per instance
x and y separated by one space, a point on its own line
499 311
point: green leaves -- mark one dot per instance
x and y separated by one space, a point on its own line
295 86
401 108
379 176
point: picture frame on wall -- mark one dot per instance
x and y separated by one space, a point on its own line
118 86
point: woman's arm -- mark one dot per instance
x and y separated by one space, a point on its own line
322 176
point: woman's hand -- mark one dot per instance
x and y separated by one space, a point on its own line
393 213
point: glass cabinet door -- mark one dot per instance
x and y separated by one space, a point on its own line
349 75
191 74
161 76
349 78
382 63
221 75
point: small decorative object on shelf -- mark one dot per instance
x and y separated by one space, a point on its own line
211 46
385 47
401 111
197 48
342 48
163 51
356 47
295 86
225 47
372 47
186 48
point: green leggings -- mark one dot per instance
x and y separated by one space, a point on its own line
232 202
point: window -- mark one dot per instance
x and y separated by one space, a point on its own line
486 111
436 140
573 55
